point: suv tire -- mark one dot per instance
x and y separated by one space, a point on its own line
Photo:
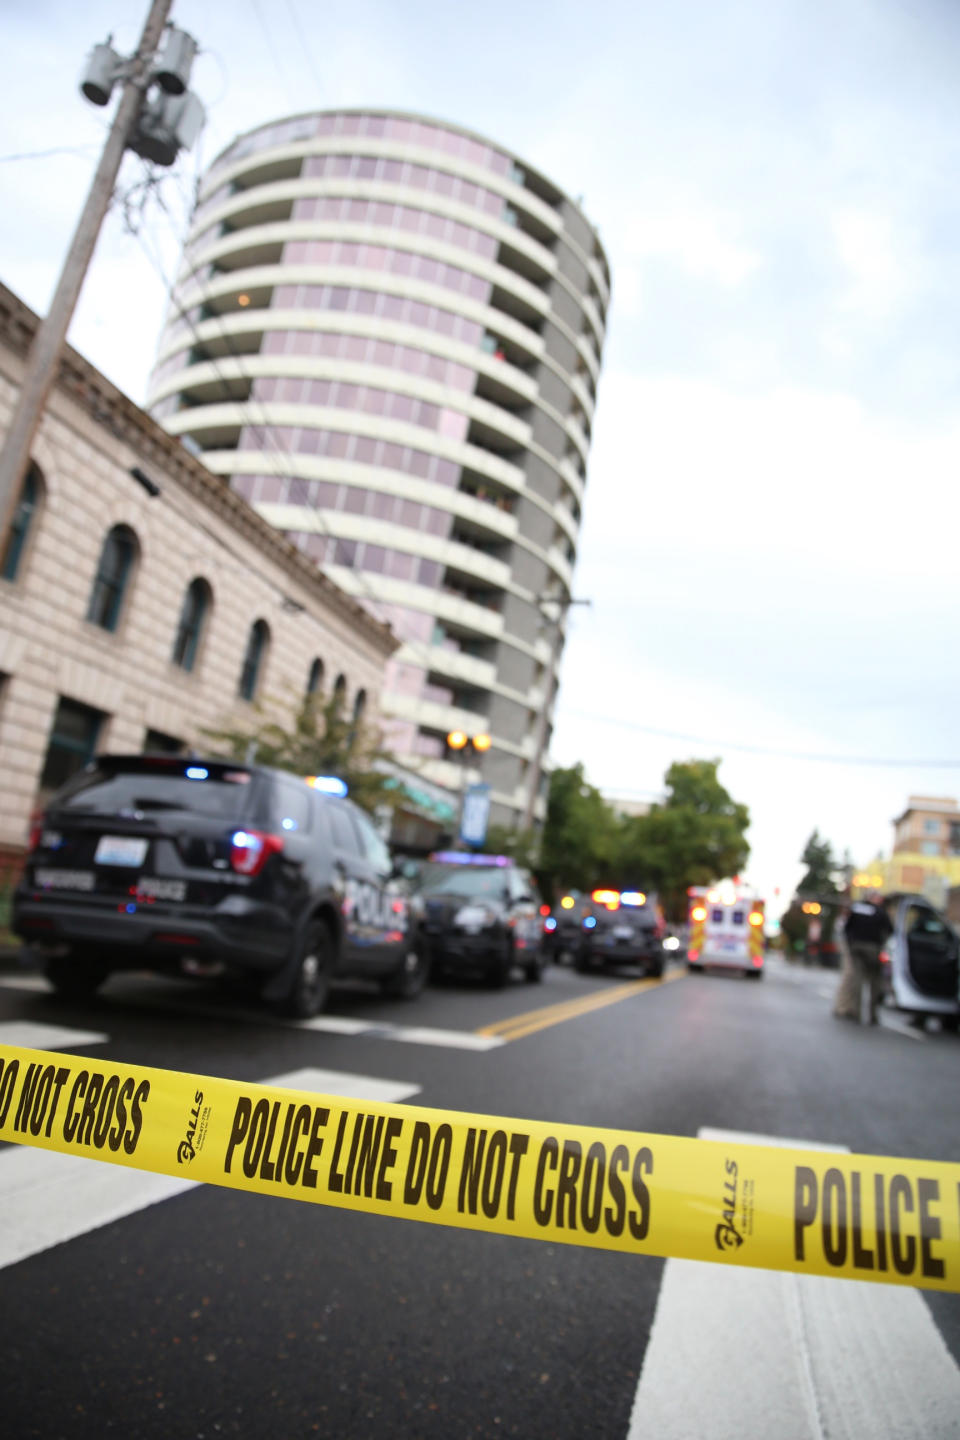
408 981
310 984
76 976
533 969
498 970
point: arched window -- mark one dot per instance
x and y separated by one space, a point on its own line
193 614
339 691
23 518
257 645
315 677
359 706
113 574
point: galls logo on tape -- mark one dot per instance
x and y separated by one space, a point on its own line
733 1229
192 1142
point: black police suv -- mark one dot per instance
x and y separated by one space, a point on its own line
622 928
209 867
478 914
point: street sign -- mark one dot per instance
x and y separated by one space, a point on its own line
474 815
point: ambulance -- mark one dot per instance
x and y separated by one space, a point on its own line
725 929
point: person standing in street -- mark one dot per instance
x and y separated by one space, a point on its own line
865 931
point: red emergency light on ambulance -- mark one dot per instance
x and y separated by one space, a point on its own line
726 929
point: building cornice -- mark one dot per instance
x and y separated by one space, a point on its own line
109 407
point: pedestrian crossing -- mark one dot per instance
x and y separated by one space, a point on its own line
731 1353
47 1198
802 1357
435 1036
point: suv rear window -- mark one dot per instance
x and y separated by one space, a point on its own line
220 790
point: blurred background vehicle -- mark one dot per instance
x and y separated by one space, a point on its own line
922 969
210 868
478 914
622 927
561 927
726 929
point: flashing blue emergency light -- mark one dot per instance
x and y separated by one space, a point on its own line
590 923
550 924
328 784
466 857
197 772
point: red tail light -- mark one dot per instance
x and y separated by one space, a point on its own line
251 849
693 954
884 958
36 829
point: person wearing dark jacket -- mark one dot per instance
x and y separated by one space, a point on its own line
865 932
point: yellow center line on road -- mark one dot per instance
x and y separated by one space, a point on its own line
517 1026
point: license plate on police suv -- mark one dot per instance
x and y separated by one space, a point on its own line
120 850
622 932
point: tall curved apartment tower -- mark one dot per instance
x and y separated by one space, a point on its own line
386 333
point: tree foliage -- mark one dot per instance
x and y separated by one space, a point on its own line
821 864
580 835
696 836
321 740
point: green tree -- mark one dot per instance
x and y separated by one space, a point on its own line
580 835
695 837
321 740
821 864
819 881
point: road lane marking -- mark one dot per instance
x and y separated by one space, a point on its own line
329 1024
32 1035
736 1352
47 1198
36 983
531 1021
406 1034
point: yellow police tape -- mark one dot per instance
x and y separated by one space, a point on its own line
865 1217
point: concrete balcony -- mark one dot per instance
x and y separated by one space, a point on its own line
565 519
451 663
461 614
431 716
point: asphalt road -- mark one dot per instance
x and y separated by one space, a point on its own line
214 1313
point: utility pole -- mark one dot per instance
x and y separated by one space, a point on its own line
157 133
542 720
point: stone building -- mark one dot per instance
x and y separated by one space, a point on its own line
142 601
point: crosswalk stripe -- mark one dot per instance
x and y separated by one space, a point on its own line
32 1035
734 1353
406 1034
325 1024
47 1198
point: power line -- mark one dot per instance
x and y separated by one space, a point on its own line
306 49
81 150
771 751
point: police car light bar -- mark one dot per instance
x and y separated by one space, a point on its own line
632 897
466 857
327 784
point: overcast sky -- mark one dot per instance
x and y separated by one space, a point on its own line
771 534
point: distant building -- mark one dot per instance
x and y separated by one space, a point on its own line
629 809
930 825
135 621
386 335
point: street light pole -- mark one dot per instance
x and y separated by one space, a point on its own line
544 716
44 355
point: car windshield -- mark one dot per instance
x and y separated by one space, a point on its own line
467 880
215 790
